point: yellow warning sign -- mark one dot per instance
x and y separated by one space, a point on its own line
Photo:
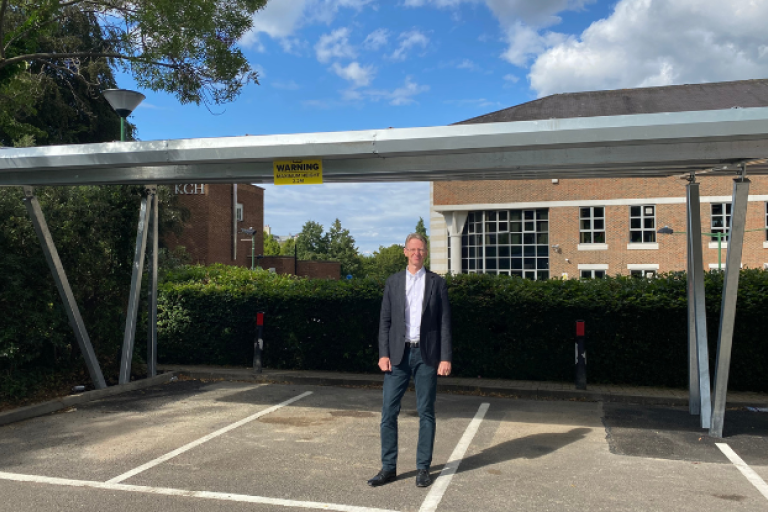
298 172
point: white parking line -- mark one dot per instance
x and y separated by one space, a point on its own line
221 496
446 475
747 471
202 440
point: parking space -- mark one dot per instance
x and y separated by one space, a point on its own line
238 446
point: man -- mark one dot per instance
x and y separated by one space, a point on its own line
414 340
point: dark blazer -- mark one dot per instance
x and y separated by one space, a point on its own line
435 332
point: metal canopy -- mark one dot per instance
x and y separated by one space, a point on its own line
644 145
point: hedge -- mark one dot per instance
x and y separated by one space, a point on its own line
502 327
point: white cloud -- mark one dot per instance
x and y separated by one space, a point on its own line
467 64
409 40
646 43
511 78
404 95
376 39
335 46
355 73
281 18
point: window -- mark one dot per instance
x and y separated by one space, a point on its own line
721 217
512 242
649 273
592 225
642 224
592 274
239 212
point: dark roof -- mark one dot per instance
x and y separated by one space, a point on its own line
670 98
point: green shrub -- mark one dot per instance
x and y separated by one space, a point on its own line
502 327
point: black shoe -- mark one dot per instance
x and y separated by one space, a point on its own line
423 479
384 477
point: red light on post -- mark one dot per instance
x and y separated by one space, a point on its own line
579 327
259 318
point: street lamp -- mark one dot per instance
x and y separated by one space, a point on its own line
251 233
123 102
666 230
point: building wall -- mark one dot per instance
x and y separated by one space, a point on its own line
564 198
209 234
311 269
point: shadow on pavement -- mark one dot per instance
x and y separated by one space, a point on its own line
529 447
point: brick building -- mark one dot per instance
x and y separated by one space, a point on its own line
540 229
217 214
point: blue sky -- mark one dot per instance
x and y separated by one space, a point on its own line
336 65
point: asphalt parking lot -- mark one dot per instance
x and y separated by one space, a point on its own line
192 445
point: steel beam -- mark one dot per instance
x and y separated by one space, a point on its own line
699 309
728 305
62 284
152 292
694 393
133 299
659 144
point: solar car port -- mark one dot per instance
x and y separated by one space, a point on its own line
236 446
686 144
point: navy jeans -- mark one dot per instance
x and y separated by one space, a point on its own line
395 385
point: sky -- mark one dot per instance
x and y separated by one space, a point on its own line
339 65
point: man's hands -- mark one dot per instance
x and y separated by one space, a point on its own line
444 369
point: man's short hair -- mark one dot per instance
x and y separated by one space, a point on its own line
417 236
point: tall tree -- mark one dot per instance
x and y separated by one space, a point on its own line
384 262
271 246
288 248
188 49
52 105
311 243
341 248
422 230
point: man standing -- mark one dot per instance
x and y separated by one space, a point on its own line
414 341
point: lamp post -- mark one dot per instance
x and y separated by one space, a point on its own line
666 230
252 233
123 101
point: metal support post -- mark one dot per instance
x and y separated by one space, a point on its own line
258 345
728 305
133 299
581 356
152 292
694 394
62 284
696 276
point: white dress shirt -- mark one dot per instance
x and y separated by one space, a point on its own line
414 298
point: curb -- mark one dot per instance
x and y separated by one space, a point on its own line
32 411
522 393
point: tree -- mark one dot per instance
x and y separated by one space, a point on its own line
384 262
341 248
271 246
189 50
288 247
50 105
94 229
422 230
311 244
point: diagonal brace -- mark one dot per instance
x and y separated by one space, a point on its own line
62 284
147 202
